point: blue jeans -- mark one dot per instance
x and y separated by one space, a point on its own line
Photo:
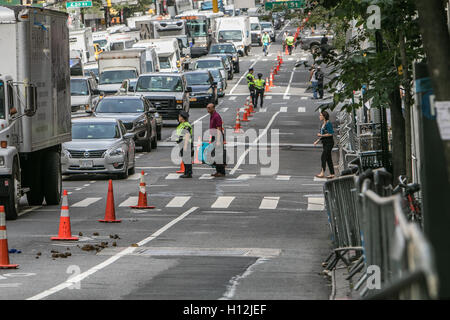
315 85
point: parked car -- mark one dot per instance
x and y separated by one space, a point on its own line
211 62
168 92
204 88
221 81
136 114
228 61
99 145
267 26
84 94
229 49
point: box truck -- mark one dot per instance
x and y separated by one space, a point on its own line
81 40
35 113
235 30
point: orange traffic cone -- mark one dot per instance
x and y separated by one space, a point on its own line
199 146
245 119
181 168
110 212
64 233
250 109
237 127
281 60
271 80
4 253
287 51
142 201
267 85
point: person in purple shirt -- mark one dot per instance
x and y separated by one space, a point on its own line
216 131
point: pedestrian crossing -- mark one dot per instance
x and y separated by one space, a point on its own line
304 203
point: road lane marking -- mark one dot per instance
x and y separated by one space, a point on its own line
131 201
172 176
224 110
304 98
232 98
283 178
206 176
289 84
268 97
301 109
77 279
246 176
222 202
316 204
242 157
283 109
263 110
269 203
178 202
86 202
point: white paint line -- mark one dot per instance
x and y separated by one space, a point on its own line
131 201
224 110
316 204
304 98
320 179
86 202
86 185
286 97
289 85
269 203
283 109
301 109
268 97
232 98
222 202
177 202
243 76
242 157
10 285
172 176
92 181
206 176
246 176
77 279
263 110
283 178
78 189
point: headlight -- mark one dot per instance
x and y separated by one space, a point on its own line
116 152
2 161
179 106
234 59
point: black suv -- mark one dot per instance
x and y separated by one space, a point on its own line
204 88
168 92
229 49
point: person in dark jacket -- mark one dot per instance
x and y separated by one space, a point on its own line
326 137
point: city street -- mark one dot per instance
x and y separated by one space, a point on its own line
244 236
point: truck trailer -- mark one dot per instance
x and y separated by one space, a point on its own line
35 112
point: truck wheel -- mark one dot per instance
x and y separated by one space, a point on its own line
35 196
11 203
52 184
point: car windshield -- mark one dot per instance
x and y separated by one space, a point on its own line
222 48
197 79
95 130
87 72
78 87
164 63
216 74
206 64
197 28
2 100
101 43
120 106
266 25
159 84
116 76
234 35
255 26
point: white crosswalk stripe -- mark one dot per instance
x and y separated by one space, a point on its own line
283 178
178 202
131 201
286 97
232 98
206 176
222 202
269 203
304 98
86 202
245 176
263 110
283 109
301 109
224 110
316 203
268 97
172 176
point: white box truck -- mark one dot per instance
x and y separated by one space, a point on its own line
168 52
116 66
81 40
235 30
35 113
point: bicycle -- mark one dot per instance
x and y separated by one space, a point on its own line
411 204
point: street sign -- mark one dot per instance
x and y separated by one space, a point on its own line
78 4
285 5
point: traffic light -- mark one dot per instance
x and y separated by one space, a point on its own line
108 3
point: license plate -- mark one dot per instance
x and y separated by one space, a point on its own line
193 99
86 164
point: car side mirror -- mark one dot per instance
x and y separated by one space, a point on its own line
189 89
31 103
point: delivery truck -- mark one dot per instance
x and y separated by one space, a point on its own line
235 30
116 66
35 113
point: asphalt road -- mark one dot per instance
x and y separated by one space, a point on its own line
249 235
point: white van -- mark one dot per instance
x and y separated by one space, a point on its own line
168 51
101 38
151 57
122 40
235 30
255 30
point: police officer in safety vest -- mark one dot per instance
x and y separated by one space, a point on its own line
251 84
184 133
259 86
290 43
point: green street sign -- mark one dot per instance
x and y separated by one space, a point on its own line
78 4
284 5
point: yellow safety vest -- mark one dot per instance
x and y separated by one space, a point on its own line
260 83
184 126
250 79
290 40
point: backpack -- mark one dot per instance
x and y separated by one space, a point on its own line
319 76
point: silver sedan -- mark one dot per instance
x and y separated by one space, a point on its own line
99 145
